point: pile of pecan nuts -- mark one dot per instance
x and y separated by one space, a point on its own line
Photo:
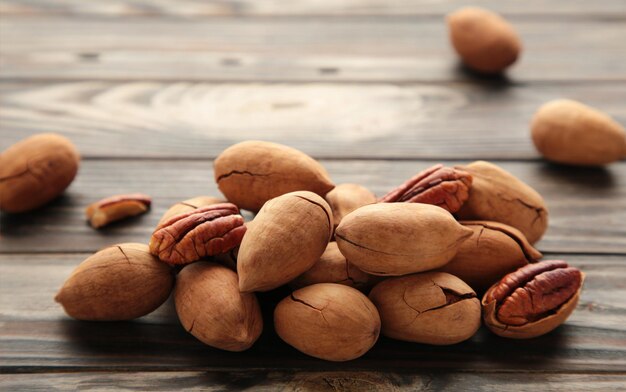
410 264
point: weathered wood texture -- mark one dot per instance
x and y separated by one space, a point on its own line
36 336
331 120
587 206
270 381
321 49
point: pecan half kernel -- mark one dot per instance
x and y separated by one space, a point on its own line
206 231
442 186
117 207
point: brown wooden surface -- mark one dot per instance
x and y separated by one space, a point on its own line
151 91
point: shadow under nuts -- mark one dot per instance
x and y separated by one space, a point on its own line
569 132
288 236
328 321
533 300
493 250
211 308
253 172
432 308
121 282
497 195
399 238
36 170
346 198
485 41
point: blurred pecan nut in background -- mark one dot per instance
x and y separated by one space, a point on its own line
116 208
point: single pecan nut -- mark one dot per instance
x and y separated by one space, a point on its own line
117 207
206 231
533 300
442 186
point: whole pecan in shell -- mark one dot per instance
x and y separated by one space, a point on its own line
206 231
442 186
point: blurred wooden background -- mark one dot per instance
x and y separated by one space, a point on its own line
152 91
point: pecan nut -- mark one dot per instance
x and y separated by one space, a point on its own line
117 207
533 300
206 231
442 186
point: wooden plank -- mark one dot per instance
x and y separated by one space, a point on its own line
331 120
587 206
36 336
266 381
396 49
199 8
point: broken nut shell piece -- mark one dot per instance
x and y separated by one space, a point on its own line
117 207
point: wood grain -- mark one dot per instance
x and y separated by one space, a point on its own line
199 8
311 49
331 120
36 336
269 381
587 206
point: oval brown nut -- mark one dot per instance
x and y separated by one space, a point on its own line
332 267
533 300
189 205
211 308
493 250
115 208
445 187
36 170
485 41
121 282
253 172
569 132
205 231
499 196
432 308
345 198
288 236
399 238
328 321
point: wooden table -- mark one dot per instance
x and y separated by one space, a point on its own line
152 91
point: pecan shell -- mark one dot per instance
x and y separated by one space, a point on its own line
442 186
533 300
117 207
206 231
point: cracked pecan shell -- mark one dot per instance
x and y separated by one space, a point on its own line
36 170
432 308
205 231
345 198
533 300
211 308
120 282
118 207
445 187
328 321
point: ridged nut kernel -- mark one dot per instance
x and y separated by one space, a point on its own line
332 267
205 231
445 187
399 238
36 170
188 206
253 172
121 282
493 250
432 308
288 236
115 208
345 198
533 300
328 321
211 308
499 196
484 40
570 132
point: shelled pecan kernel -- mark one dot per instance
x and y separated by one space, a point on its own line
117 207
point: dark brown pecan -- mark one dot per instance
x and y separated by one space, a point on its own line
442 186
206 231
534 291
117 207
